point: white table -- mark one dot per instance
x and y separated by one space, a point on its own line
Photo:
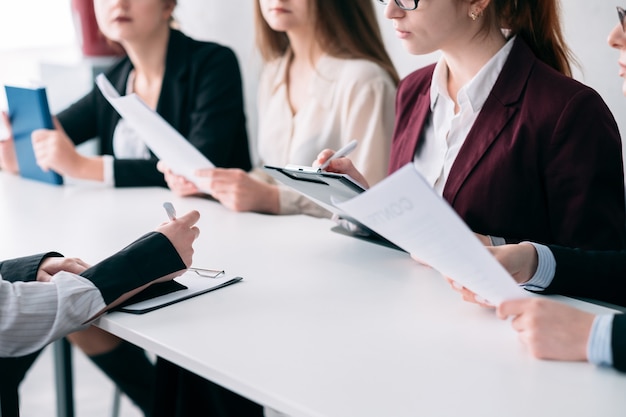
322 325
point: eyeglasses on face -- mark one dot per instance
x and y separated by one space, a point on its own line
621 13
405 4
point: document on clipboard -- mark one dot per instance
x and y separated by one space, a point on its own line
405 209
163 140
327 189
188 285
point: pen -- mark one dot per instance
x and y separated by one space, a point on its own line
340 153
169 208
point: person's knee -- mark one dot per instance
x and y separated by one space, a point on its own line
94 341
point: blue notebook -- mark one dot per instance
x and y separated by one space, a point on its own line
29 111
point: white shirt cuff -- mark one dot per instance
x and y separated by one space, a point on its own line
599 350
546 266
107 162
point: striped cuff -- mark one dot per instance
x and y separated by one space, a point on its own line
599 350
546 266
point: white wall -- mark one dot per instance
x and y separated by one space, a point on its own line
587 24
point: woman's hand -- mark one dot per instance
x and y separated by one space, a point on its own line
8 159
180 185
55 151
468 295
340 166
550 329
182 232
53 265
520 260
239 191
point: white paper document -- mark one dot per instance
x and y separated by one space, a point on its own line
404 209
162 139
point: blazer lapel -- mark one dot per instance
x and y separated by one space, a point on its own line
404 149
499 108
172 100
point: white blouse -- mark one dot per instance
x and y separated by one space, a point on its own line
347 99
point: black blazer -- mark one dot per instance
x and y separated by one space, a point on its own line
201 97
618 342
148 258
596 275
23 269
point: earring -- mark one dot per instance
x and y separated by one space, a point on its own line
475 14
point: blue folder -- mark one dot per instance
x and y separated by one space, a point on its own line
29 111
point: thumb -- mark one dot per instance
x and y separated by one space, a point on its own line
57 125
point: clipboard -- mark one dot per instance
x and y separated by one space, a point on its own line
29 111
188 285
327 189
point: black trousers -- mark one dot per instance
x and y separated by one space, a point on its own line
12 372
180 393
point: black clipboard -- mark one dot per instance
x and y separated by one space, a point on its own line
326 189
29 111
167 293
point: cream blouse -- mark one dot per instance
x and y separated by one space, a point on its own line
348 99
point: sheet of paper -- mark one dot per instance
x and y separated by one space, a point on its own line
162 139
404 209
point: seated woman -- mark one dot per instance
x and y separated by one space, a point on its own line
498 127
195 86
327 80
553 330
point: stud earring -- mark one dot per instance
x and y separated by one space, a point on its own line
473 16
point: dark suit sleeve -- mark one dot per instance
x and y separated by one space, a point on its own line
80 120
148 258
618 342
24 269
584 176
599 275
218 124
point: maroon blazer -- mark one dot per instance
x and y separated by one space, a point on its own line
543 161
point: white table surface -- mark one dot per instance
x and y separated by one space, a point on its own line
322 325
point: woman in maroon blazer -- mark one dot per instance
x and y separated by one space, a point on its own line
553 330
500 129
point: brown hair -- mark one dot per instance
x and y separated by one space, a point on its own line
344 28
538 23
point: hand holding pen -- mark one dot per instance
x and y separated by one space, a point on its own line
334 161
182 232
344 151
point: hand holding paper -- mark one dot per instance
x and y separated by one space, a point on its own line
162 139
404 209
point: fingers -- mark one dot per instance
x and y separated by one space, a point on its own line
511 308
57 125
468 295
5 127
190 218
323 157
162 167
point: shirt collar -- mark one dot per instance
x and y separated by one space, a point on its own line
478 88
